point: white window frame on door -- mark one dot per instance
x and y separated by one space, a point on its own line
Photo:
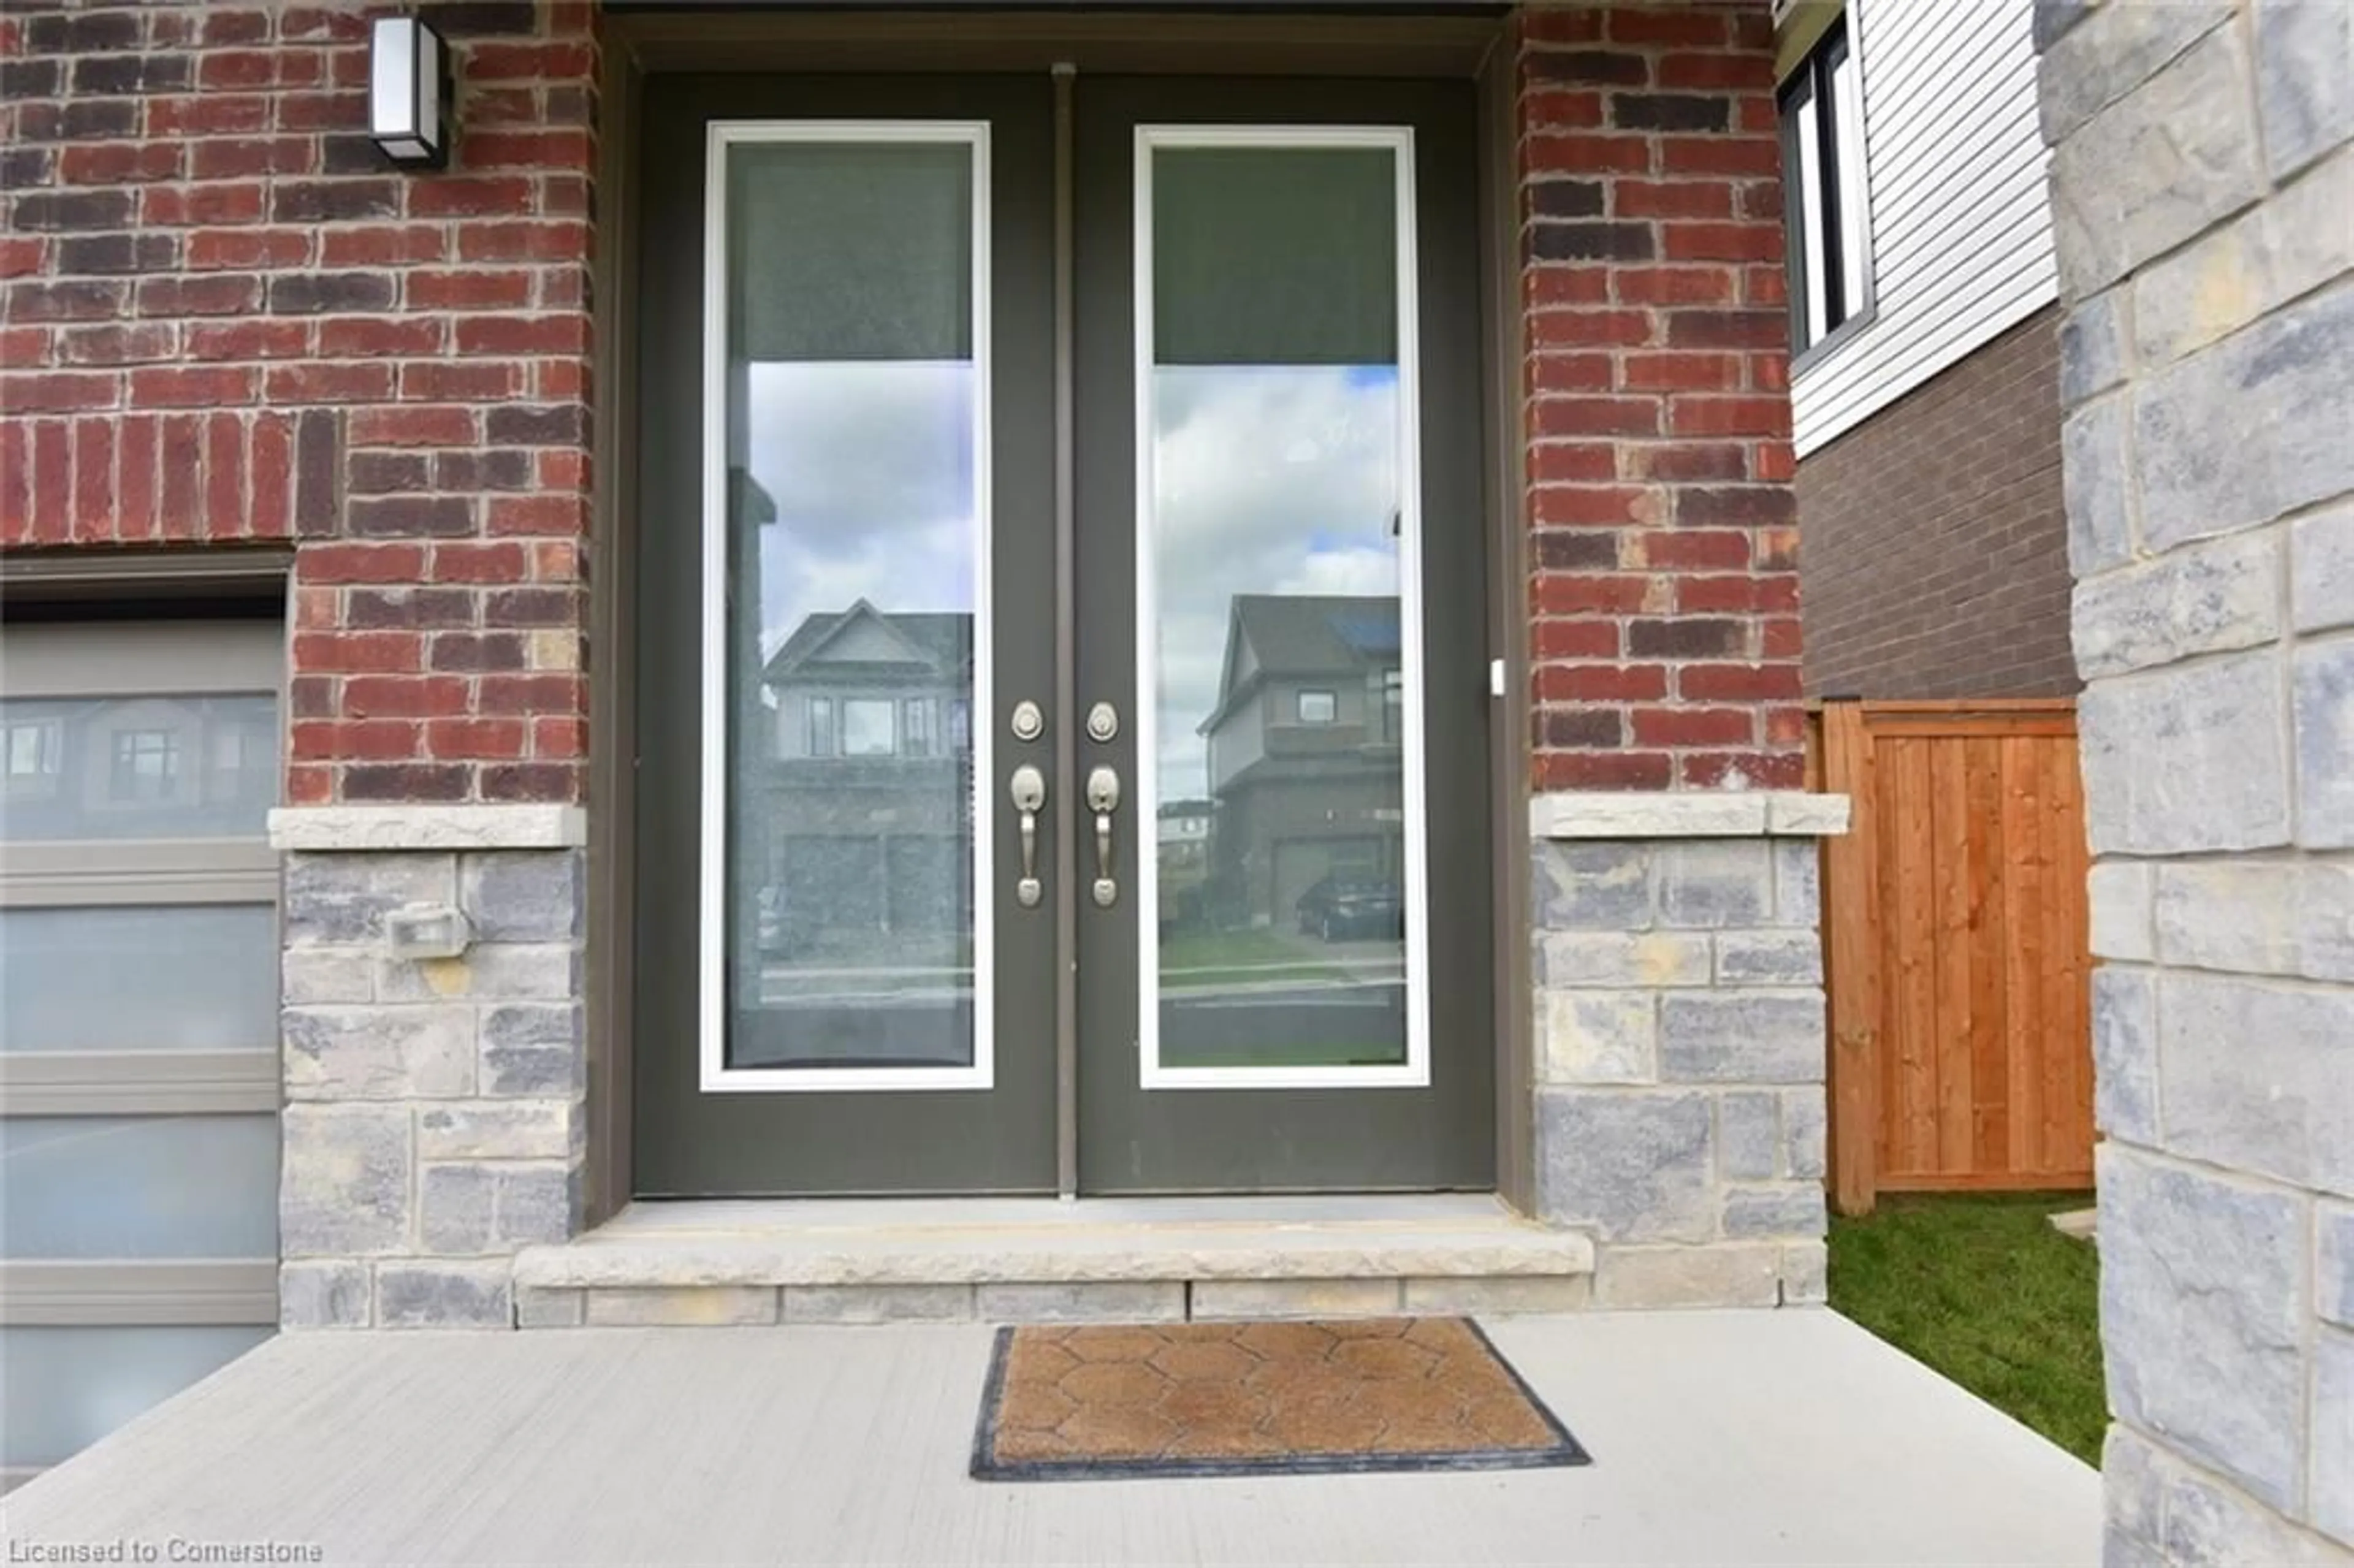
1414 1071
716 1076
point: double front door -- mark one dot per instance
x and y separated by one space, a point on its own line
1061 697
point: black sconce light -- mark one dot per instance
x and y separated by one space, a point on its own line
408 93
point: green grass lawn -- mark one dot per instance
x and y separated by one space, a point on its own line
1984 1290
1234 958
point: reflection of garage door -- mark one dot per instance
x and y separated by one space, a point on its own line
138 1019
837 883
1301 864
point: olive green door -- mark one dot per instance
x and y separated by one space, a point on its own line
843 572
1281 593
861 964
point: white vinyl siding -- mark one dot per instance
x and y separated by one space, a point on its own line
1960 225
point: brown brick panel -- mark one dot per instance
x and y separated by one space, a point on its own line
1663 558
1936 561
224 318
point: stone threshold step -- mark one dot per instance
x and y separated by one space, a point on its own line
1044 1302
988 1242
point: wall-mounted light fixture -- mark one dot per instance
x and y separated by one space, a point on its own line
408 93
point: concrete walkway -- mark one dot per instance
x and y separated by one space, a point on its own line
1719 1437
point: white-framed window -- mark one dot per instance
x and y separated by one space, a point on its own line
241 760
867 727
1827 209
915 726
1222 216
960 726
846 270
146 764
1393 706
32 748
232 749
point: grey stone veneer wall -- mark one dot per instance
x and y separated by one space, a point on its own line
2203 196
1681 1057
434 1119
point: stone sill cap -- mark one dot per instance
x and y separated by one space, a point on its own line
1696 814
349 829
1017 1254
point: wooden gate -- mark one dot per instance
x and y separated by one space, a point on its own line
1957 940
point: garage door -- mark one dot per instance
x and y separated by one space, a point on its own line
138 1019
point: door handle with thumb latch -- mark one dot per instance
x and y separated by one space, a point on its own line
1103 800
1028 789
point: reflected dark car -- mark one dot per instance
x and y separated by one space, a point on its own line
1339 907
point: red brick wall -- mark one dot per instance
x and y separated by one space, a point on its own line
223 318
1663 557
1937 538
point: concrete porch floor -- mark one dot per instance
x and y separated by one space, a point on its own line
1718 1437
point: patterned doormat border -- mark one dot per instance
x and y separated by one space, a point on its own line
1563 1450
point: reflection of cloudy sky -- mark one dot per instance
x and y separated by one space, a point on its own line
870 465
1267 481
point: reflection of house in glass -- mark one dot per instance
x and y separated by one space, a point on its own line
1306 748
1182 844
181 767
860 820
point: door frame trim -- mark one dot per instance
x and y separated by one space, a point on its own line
1511 760
633 44
882 38
715 1076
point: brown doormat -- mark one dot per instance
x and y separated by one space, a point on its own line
1242 1399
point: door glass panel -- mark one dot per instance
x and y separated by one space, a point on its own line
854 534
1278 512
1275 256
